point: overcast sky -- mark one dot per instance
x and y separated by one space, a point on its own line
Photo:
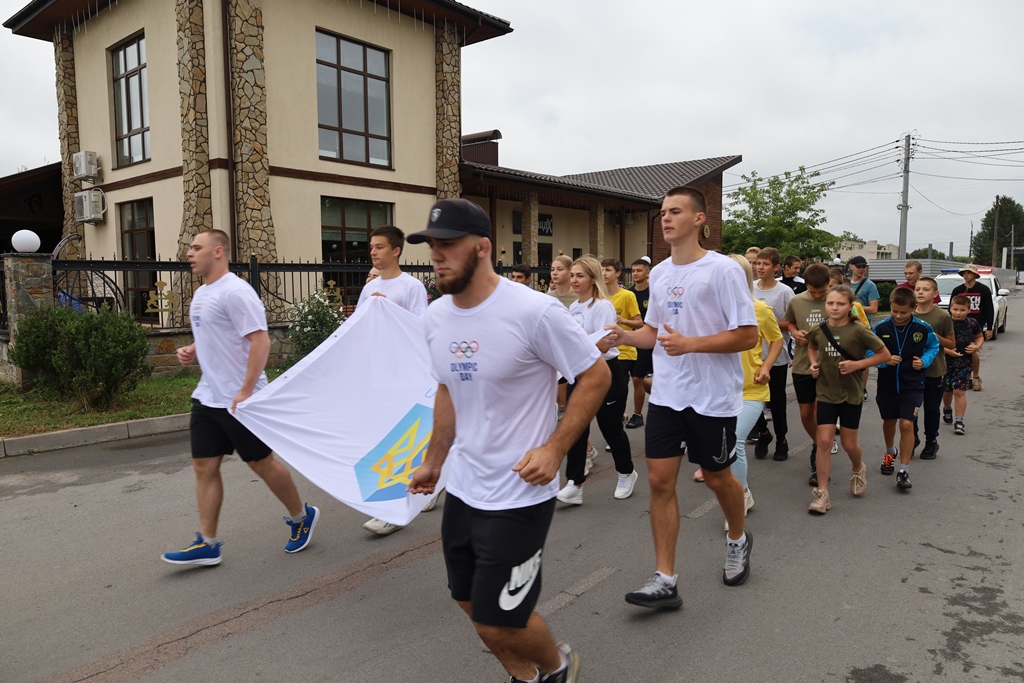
585 85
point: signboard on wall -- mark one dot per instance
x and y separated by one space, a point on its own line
545 224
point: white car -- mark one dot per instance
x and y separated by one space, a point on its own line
949 279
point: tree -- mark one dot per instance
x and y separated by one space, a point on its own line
779 212
1010 214
923 253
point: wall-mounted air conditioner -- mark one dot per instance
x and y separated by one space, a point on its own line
90 206
86 166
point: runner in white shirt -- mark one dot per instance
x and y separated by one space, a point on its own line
700 316
386 244
229 326
491 339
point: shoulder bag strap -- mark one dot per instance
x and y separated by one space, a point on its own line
835 345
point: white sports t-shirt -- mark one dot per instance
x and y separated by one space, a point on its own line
498 362
404 290
222 313
699 299
594 318
778 297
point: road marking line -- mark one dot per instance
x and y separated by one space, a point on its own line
566 597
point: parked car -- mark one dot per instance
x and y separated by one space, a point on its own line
950 278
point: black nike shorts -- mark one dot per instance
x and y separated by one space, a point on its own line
494 559
709 441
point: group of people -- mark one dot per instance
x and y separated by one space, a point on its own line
708 341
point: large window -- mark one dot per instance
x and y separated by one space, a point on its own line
345 226
353 84
131 102
138 243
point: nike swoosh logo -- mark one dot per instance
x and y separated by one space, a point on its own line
509 602
610 403
724 456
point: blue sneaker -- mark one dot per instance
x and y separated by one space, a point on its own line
200 552
302 532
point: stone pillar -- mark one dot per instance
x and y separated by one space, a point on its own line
67 131
249 144
197 211
531 225
448 102
29 281
596 244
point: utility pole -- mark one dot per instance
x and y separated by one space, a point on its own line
904 201
970 245
950 252
995 235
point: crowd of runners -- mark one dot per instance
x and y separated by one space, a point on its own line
706 340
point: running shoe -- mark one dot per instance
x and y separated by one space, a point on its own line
433 503
958 428
571 672
761 447
858 480
821 503
302 532
781 450
976 383
656 594
887 462
813 479
199 553
737 561
930 450
624 487
380 527
635 420
591 458
571 494
947 415
835 446
903 480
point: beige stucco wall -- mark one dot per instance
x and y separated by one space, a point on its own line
291 85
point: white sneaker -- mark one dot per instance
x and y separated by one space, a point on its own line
571 494
433 502
380 527
748 504
835 446
624 488
591 457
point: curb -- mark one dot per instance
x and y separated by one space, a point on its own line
69 438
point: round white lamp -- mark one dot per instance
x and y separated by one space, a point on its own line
837 261
25 242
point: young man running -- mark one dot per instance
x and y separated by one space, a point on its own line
777 296
982 310
627 312
229 325
504 457
642 368
701 315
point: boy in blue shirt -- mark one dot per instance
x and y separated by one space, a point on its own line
901 381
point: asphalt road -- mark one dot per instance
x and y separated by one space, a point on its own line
918 586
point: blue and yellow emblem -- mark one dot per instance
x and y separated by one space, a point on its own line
386 471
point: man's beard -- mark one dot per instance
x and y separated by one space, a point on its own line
456 284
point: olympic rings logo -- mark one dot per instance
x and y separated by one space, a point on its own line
675 292
464 349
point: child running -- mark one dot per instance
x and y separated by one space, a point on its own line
594 312
969 338
837 352
942 326
912 347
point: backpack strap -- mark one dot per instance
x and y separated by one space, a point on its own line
835 345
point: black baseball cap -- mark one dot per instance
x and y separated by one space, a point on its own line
858 261
451 219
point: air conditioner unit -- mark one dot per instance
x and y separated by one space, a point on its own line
85 166
90 206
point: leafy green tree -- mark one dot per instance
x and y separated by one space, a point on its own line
923 253
1010 214
781 212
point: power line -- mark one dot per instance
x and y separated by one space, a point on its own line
952 213
950 142
829 166
953 177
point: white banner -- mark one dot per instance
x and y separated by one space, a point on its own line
355 415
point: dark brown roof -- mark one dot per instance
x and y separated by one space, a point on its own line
652 181
556 182
39 17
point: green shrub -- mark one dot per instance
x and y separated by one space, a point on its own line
884 290
93 358
316 319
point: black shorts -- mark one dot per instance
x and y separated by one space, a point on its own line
644 363
899 406
710 441
494 559
806 388
848 414
215 431
626 368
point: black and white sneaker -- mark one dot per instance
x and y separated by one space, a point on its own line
656 594
903 480
737 561
571 672
947 415
958 428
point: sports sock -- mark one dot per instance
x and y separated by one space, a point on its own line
208 540
298 518
535 679
670 580
959 418
904 468
739 541
891 451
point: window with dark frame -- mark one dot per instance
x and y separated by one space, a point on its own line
138 243
345 226
131 102
353 92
